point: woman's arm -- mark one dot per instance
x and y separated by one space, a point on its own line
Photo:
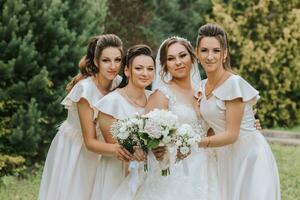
88 127
160 101
157 100
233 116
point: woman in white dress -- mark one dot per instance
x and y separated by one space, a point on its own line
246 166
126 101
189 178
70 168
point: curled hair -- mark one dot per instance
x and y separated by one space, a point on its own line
132 53
214 30
164 52
94 50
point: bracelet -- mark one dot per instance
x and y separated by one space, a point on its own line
208 143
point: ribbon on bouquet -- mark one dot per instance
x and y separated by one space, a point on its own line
134 173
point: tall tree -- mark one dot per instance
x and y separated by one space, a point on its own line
41 43
152 21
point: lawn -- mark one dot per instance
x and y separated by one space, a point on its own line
288 159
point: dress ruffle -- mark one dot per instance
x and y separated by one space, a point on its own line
110 105
83 89
236 87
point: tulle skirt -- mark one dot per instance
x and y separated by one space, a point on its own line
190 179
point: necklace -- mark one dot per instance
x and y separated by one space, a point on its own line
133 100
208 92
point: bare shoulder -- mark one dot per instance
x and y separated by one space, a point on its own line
157 100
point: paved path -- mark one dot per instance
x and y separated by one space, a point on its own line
282 137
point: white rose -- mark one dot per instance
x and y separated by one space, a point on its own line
178 143
184 150
166 139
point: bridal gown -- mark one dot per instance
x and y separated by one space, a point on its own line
70 169
190 179
247 169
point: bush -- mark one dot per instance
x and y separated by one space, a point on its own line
265 44
41 43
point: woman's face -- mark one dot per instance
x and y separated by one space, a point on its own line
141 72
179 61
109 62
210 54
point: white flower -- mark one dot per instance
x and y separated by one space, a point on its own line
123 128
184 150
185 129
167 140
123 135
178 143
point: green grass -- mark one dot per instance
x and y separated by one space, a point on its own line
15 188
288 160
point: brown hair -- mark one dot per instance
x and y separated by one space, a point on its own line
132 53
164 52
214 30
95 47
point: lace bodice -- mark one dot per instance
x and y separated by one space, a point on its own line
185 113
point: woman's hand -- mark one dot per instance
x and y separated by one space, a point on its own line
139 154
181 156
159 153
257 124
122 154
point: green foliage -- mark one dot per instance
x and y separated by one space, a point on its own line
178 17
9 163
151 21
41 43
264 38
128 19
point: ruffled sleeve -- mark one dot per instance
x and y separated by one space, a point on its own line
112 105
83 89
236 87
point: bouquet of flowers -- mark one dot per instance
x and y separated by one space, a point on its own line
127 131
186 137
160 130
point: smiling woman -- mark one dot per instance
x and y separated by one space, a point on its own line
130 98
70 168
249 170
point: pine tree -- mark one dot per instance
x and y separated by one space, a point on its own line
41 43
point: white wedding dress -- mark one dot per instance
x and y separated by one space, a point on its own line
190 179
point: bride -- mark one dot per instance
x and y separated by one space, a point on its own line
194 177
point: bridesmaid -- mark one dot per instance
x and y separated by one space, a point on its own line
246 165
126 101
70 168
